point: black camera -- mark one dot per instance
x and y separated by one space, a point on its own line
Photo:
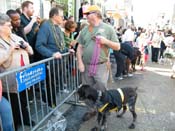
22 45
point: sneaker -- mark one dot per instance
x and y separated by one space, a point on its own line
125 75
119 78
130 74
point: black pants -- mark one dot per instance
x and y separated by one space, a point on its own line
54 81
120 61
155 54
161 53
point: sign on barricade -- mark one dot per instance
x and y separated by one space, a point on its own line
30 76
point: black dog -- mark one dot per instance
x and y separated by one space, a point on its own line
110 100
136 59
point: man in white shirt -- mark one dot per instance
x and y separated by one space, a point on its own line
128 36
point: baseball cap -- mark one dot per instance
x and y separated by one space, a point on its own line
92 8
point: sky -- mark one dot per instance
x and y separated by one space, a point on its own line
146 11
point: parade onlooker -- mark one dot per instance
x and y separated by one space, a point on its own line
50 38
168 39
80 14
5 113
156 40
13 50
50 43
31 25
19 11
71 18
143 47
162 49
65 19
70 27
129 36
96 32
120 61
85 7
16 24
127 50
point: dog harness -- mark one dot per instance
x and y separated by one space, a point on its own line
118 107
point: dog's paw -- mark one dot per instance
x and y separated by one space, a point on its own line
94 129
132 126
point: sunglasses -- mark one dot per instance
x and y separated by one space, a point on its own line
90 13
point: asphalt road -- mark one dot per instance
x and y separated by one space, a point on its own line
155 106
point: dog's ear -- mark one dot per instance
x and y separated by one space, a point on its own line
82 90
92 97
91 94
88 92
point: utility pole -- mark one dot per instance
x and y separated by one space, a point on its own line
77 6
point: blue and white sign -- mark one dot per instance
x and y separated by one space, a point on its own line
30 76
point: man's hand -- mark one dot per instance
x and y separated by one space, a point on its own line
14 46
102 40
81 67
109 43
34 19
71 51
73 43
57 55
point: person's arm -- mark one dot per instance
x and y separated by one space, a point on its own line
28 27
26 44
112 41
29 49
5 54
41 41
79 58
111 44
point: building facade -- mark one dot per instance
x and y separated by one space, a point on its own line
41 7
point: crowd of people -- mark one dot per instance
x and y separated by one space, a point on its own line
24 39
27 39
141 44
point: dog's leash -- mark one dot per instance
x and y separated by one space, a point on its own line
95 57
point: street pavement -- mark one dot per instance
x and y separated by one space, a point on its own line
155 105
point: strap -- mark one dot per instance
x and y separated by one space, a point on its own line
121 94
103 107
114 109
106 51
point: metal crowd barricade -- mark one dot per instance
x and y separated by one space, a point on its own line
43 97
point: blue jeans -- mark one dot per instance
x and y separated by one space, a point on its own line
6 115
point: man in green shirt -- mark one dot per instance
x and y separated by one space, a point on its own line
107 38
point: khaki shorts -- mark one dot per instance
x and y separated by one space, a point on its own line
100 80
